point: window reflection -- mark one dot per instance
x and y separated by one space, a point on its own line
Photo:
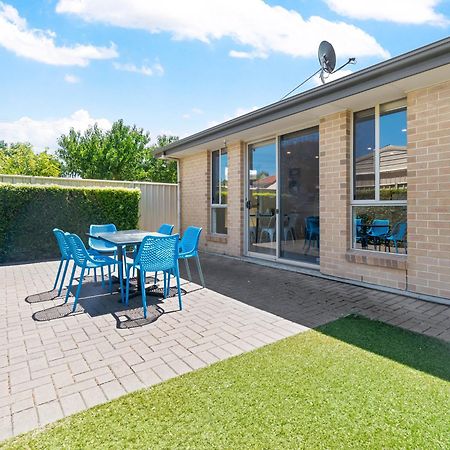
381 228
364 154
299 196
262 178
393 152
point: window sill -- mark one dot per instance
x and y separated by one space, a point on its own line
380 259
220 238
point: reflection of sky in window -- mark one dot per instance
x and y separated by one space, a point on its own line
304 137
364 135
223 166
264 159
393 128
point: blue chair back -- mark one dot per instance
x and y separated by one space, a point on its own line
98 244
358 225
62 243
399 231
165 228
189 241
381 228
158 253
312 225
78 250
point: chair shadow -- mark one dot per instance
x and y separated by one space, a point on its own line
97 301
423 353
45 296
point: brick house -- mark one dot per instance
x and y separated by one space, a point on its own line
351 178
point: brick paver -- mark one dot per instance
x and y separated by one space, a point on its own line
54 368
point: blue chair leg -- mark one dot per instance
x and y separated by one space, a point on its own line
127 289
200 272
110 279
156 278
103 277
177 276
95 275
120 264
63 277
57 275
164 284
70 283
77 294
187 269
144 299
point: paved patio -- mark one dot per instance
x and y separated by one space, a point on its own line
53 368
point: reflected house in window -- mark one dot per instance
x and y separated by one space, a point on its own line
393 172
320 179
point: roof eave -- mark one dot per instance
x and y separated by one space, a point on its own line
417 61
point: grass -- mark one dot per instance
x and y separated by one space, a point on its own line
353 383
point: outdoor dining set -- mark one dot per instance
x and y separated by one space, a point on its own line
379 231
131 251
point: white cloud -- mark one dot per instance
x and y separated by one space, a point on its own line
332 76
155 69
192 112
45 133
71 79
237 112
260 28
399 11
39 45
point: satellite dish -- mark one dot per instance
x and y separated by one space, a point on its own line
327 57
327 61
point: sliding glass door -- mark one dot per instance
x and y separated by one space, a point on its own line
261 198
299 227
282 201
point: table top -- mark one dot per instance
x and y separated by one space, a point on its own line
125 237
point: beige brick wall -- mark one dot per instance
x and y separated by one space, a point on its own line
195 175
429 190
194 193
336 258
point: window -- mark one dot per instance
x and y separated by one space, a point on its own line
219 191
380 178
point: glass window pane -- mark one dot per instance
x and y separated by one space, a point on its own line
380 228
224 176
299 196
393 154
219 220
364 155
215 177
262 198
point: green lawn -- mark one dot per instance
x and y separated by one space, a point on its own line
353 383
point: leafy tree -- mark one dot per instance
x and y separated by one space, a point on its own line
157 169
19 159
121 153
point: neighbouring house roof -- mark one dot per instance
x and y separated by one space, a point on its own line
415 62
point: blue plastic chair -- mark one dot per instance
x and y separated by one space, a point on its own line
166 228
397 234
156 253
312 231
189 249
84 260
378 230
99 245
66 257
358 227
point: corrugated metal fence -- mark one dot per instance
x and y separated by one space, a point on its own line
158 200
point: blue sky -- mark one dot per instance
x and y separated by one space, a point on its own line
178 66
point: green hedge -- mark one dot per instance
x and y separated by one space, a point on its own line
28 215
